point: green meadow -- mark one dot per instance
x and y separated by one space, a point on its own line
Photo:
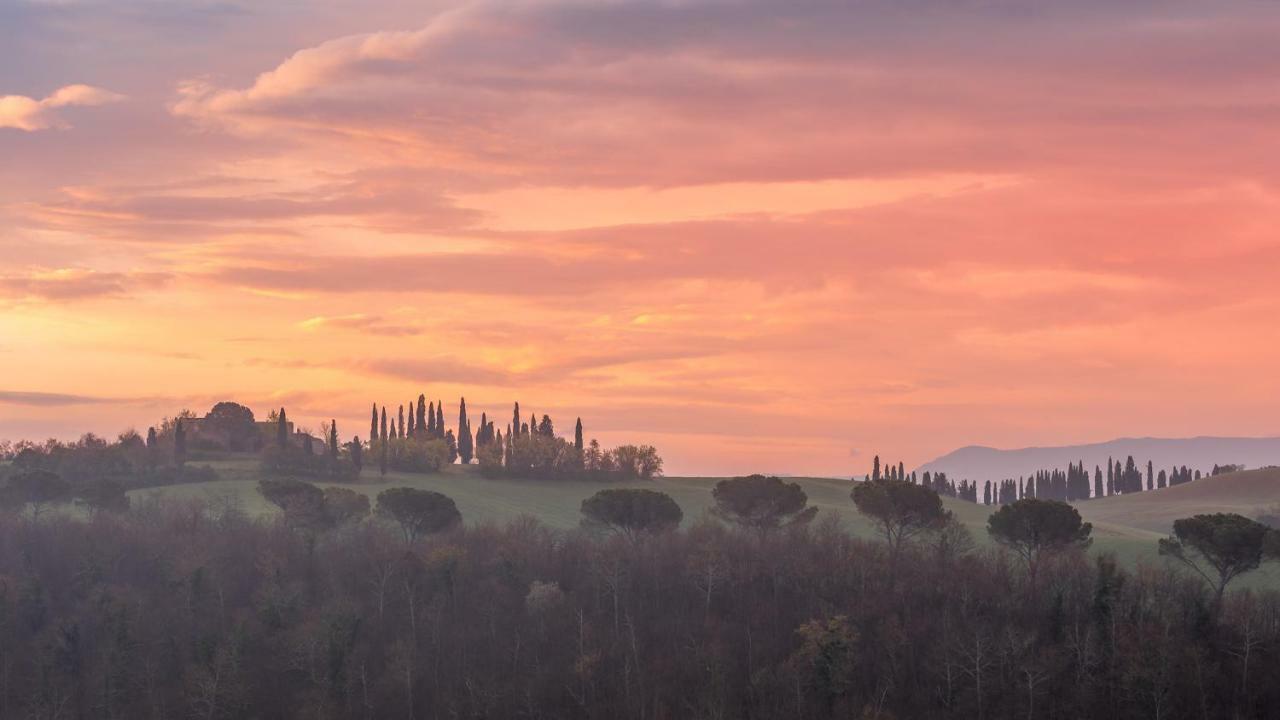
1127 526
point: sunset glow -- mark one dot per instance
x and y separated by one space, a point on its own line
764 237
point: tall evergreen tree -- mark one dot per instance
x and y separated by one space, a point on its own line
440 418
431 420
577 437
413 419
400 424
422 415
333 440
452 444
462 416
466 447
282 431
179 443
384 446
875 468
545 428
515 422
357 454
373 426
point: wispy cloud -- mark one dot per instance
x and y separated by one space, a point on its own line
45 399
66 284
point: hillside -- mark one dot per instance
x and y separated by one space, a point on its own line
1242 492
1128 525
1198 453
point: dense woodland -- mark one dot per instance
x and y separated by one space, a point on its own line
195 610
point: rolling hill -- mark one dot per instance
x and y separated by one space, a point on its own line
1127 525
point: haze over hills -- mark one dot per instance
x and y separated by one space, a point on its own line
1199 453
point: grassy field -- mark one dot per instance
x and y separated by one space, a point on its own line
1127 526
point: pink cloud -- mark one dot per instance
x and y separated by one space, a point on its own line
24 113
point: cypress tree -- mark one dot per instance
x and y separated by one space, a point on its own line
333 440
462 417
466 445
431 420
440 418
482 437
400 425
282 432
151 448
413 428
382 448
422 415
875 468
179 443
902 471
1151 476
577 437
452 444
357 454
515 422
373 426
506 452
545 428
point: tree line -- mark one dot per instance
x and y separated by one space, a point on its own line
1070 485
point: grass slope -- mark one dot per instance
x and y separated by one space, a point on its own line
1127 526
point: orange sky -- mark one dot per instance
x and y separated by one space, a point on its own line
762 236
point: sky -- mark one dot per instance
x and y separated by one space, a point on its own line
761 236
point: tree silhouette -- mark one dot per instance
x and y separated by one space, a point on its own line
631 512
1033 528
762 503
901 509
282 431
466 446
179 443
1230 544
422 415
418 512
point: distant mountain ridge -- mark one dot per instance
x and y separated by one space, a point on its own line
1198 453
